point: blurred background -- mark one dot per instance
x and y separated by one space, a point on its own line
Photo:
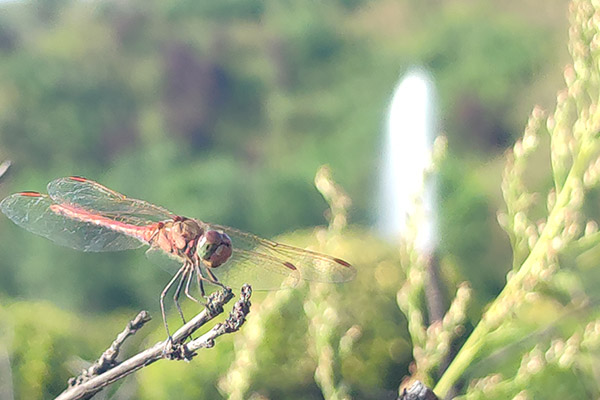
224 111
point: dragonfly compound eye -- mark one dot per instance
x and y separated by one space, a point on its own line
214 248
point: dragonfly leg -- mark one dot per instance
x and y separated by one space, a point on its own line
199 277
187 287
199 281
213 279
162 298
184 275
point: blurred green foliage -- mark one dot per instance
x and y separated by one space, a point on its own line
45 346
224 111
540 337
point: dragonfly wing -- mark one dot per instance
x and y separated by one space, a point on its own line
261 271
32 211
168 262
313 266
91 195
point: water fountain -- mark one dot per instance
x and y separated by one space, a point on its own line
410 131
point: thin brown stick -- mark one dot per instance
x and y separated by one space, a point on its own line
4 166
417 391
108 359
434 296
176 349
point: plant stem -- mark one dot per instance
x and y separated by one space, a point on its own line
500 307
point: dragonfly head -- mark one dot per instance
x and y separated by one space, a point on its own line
214 248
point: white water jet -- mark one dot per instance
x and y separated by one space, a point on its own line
407 151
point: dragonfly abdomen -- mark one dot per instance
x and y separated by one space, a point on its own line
143 233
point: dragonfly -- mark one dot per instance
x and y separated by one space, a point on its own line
82 214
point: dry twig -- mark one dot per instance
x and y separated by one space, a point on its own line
4 166
418 391
107 370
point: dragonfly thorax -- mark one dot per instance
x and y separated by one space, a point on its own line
214 248
178 236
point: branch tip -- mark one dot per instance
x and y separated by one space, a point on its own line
107 370
108 359
418 391
217 300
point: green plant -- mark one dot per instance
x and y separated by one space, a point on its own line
541 332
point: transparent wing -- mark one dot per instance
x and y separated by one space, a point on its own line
260 271
313 266
93 196
168 262
32 211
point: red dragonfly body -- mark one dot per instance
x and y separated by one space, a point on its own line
82 214
178 237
